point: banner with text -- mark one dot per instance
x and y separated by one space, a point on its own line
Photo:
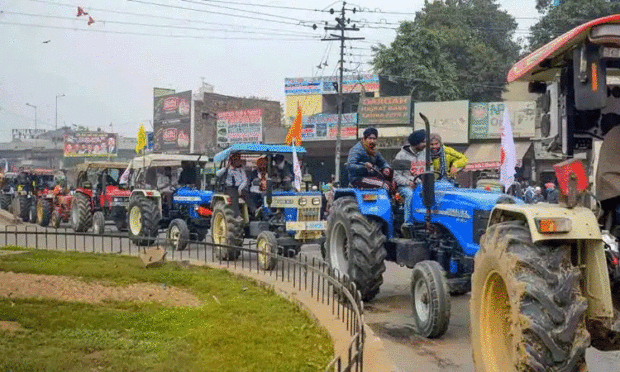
486 119
91 144
244 126
22 134
324 127
329 84
385 110
448 119
172 122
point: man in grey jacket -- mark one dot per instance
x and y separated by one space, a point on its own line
414 153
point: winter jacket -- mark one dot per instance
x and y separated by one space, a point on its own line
418 165
235 177
453 158
552 196
356 159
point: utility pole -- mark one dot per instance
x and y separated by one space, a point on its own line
35 122
56 120
342 22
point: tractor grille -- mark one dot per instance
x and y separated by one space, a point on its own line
308 214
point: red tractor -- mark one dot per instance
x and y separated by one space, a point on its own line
45 182
99 197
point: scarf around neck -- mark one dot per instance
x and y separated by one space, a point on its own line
441 155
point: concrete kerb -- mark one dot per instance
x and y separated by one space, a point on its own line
374 351
6 215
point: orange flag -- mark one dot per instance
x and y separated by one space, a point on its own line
295 131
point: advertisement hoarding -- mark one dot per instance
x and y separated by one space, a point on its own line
384 110
486 119
172 122
243 126
329 84
324 127
448 119
23 134
158 92
91 144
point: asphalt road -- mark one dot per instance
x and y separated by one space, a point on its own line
388 315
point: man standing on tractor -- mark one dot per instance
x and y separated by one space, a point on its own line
283 172
414 152
446 160
235 180
367 168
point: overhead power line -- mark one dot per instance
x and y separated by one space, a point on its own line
243 10
264 5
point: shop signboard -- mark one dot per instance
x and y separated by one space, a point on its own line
384 111
91 144
243 126
448 119
486 119
25 134
329 84
324 127
172 122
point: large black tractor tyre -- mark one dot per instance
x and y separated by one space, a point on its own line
177 235
81 213
526 308
354 246
226 229
430 299
22 211
44 212
5 201
143 216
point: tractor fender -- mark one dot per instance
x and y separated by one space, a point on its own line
591 251
151 194
374 204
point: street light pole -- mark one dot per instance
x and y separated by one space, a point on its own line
56 121
35 123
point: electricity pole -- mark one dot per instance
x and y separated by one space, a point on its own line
342 22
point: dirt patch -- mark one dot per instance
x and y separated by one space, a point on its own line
10 326
18 285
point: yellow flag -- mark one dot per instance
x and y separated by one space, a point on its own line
141 139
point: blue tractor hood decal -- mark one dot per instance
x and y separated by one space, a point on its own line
186 195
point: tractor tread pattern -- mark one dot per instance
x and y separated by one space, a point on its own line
85 219
234 233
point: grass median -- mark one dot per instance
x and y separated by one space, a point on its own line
89 312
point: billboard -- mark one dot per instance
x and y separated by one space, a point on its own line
324 127
241 126
449 119
172 122
158 92
329 84
385 110
486 119
22 134
91 144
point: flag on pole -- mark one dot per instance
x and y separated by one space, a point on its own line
141 143
508 154
296 168
295 131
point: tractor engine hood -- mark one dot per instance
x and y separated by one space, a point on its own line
481 199
187 195
115 192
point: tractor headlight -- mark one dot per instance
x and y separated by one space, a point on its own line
316 201
303 201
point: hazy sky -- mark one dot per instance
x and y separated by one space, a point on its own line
107 70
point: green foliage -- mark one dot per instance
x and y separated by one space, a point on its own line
248 327
566 16
453 50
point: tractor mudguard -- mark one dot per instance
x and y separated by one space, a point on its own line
585 231
372 203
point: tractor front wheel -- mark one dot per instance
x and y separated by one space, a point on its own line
44 212
98 223
267 245
430 299
177 235
143 217
527 311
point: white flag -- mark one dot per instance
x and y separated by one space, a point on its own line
296 168
125 176
508 154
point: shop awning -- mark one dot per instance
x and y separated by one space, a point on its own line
486 155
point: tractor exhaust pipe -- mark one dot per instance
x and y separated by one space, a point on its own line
428 178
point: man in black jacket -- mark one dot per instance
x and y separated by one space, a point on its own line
367 168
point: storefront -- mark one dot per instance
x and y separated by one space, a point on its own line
484 159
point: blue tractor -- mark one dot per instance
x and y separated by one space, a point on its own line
182 208
365 228
280 219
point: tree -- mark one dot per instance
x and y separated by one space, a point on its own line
565 16
460 49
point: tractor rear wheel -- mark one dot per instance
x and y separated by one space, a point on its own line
354 245
98 223
5 201
526 308
143 217
22 202
81 214
226 230
44 212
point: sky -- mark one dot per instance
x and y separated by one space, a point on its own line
107 70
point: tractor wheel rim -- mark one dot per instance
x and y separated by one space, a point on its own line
421 300
339 248
495 324
39 212
74 216
135 220
97 224
264 248
175 236
219 229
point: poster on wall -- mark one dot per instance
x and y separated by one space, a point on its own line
172 122
385 110
449 119
91 144
243 126
486 119
324 127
